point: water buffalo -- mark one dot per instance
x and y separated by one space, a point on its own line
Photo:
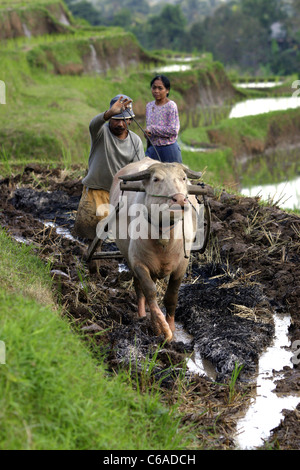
157 243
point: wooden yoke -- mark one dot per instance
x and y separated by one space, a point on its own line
136 186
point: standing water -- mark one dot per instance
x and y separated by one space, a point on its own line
285 194
265 412
263 105
258 84
195 363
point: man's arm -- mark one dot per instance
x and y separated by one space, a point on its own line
96 123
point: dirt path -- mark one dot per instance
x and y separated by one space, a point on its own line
227 302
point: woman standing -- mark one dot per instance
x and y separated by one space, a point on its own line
162 122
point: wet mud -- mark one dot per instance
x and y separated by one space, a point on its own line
227 301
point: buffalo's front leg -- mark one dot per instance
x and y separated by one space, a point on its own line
140 298
170 300
148 287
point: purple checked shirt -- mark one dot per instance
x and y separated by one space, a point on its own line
162 122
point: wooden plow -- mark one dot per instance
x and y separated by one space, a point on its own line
196 190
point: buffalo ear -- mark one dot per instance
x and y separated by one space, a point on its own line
194 175
141 175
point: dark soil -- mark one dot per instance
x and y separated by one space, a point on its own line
227 301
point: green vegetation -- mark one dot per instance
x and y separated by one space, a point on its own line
250 35
216 165
22 3
47 115
53 394
258 126
232 384
241 136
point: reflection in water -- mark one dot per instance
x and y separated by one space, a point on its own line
265 412
195 363
258 84
173 68
263 105
181 66
64 232
286 194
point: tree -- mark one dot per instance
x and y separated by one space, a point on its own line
234 38
166 30
197 38
122 18
85 10
136 6
265 11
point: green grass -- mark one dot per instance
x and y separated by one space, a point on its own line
47 115
194 136
53 393
234 137
22 3
256 127
50 114
232 384
217 165
233 130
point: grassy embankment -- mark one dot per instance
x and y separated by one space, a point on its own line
46 115
47 112
248 137
54 395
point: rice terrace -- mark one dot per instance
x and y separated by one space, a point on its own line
78 369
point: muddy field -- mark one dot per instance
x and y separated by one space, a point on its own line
227 302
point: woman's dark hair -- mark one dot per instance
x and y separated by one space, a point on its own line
165 81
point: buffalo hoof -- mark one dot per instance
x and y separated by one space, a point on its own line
161 326
171 323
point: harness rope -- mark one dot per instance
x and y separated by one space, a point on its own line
206 204
145 135
171 226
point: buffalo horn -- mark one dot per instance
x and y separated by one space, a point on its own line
141 175
192 174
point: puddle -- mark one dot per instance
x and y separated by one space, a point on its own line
265 412
263 105
194 363
64 232
258 84
174 68
22 240
201 366
122 267
286 194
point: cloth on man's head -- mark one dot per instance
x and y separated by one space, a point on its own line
128 113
